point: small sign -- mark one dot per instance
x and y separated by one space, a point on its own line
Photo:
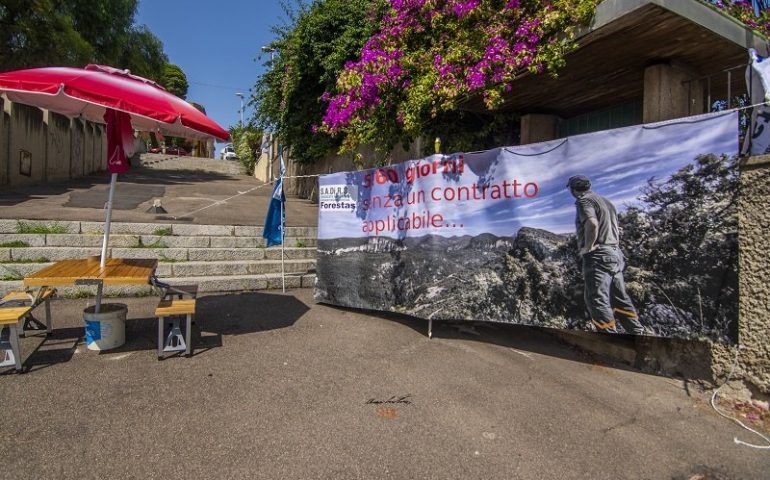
25 163
338 197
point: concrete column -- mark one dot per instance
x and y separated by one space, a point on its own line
753 281
538 128
671 91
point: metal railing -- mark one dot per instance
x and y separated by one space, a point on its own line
712 103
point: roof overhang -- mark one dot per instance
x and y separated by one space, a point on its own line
625 37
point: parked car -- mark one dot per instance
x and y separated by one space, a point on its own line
176 151
170 151
228 153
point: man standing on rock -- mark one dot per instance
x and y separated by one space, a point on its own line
596 224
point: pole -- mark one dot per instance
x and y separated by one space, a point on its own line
99 293
240 95
283 242
270 160
108 219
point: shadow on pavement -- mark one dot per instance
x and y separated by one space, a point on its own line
216 316
524 338
59 347
237 314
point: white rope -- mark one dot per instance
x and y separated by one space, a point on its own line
748 106
714 406
222 202
305 176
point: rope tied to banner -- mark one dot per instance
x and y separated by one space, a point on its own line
564 142
224 201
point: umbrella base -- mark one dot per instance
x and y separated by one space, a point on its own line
156 207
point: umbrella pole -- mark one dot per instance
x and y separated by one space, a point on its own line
108 219
283 242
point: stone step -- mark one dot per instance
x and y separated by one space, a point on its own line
132 241
232 268
206 284
171 229
52 254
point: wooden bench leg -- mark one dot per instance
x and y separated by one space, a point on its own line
48 323
161 320
188 335
12 357
14 339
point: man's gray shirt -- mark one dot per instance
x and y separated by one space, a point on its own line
591 205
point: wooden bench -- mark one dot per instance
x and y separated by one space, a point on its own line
10 318
28 299
175 308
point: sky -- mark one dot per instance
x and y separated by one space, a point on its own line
217 45
619 163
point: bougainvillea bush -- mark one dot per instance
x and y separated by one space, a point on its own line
746 13
431 55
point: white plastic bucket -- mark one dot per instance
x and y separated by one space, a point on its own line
106 329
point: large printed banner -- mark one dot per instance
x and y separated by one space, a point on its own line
491 236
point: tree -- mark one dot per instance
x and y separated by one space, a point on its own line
311 53
174 80
247 142
143 54
198 106
73 33
34 34
105 24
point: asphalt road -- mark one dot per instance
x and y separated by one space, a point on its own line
283 388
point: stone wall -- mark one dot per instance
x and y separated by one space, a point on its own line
59 145
26 160
38 146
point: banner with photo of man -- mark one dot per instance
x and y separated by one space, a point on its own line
632 230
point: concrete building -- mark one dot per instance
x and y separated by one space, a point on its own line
641 61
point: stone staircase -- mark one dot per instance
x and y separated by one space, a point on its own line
219 258
159 161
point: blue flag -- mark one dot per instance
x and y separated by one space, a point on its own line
276 213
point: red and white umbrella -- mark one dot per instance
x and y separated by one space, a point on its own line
88 92
116 98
